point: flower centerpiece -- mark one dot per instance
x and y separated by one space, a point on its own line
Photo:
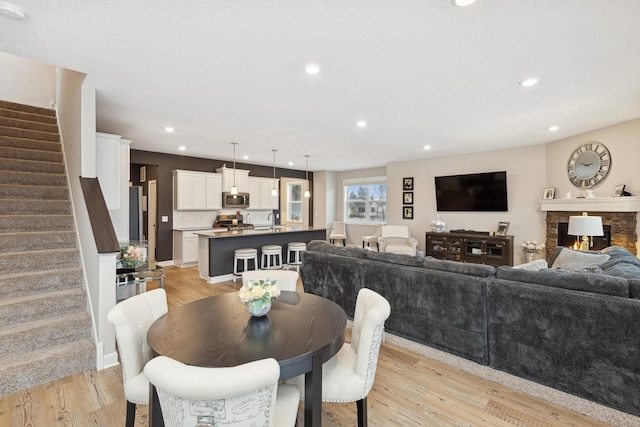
257 295
531 249
132 255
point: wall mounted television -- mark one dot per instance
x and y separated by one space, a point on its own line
477 192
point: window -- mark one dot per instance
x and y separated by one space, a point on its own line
294 202
366 200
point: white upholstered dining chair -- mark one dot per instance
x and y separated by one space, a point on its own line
239 396
338 232
397 239
348 376
286 279
131 320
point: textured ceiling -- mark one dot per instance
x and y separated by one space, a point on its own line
419 72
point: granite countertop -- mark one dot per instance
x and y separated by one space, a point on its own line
259 230
218 230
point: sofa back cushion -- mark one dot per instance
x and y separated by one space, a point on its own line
578 281
326 247
479 270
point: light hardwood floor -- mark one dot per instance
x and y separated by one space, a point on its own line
409 390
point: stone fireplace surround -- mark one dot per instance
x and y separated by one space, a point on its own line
619 212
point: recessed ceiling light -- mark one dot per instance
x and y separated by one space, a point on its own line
245 157
290 163
529 82
553 128
312 69
463 3
361 124
12 12
427 147
169 129
182 148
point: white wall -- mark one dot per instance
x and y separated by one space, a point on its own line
525 183
27 82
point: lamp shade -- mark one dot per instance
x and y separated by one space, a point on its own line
585 226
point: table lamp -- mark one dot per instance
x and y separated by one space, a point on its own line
585 226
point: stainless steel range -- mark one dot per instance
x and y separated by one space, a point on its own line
231 222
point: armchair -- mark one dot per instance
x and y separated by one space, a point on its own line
397 239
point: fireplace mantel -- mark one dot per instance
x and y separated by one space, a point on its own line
601 204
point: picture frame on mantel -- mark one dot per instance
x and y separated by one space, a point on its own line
618 190
549 193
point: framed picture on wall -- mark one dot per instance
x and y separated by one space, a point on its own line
407 183
407 212
407 197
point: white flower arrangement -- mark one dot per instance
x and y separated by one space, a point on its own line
532 247
261 289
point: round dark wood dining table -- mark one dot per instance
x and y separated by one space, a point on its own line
301 332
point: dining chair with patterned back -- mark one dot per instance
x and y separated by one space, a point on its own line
239 396
131 320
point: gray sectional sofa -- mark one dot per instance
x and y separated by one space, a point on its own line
578 332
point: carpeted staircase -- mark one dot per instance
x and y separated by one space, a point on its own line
45 328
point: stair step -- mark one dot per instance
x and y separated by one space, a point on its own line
30 144
33 192
33 241
24 115
33 178
14 311
35 207
27 108
29 154
50 259
28 124
31 166
39 334
29 370
35 282
20 223
30 134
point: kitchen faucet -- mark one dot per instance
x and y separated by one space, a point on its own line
273 219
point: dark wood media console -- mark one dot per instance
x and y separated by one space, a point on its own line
475 248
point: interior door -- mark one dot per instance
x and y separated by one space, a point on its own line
152 221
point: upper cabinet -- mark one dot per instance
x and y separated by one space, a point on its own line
112 169
260 193
197 190
239 176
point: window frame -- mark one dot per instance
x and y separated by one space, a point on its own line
353 182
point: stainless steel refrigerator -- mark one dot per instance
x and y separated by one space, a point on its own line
135 213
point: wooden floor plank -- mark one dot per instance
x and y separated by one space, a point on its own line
409 390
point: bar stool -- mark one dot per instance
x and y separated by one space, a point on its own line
294 249
271 257
245 255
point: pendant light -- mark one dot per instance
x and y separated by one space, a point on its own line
234 189
274 192
307 193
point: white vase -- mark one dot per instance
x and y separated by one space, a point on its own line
438 225
530 256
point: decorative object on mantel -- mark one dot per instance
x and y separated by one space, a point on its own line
589 164
568 195
590 194
618 191
257 295
438 225
585 226
503 226
132 257
549 193
531 249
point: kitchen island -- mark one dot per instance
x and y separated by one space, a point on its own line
216 249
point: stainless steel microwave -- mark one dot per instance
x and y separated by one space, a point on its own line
240 200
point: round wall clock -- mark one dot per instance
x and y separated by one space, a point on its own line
589 164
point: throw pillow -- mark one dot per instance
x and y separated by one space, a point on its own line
536 265
569 259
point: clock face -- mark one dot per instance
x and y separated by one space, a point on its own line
589 164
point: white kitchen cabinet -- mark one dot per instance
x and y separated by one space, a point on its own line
185 248
269 201
196 190
213 197
255 191
241 179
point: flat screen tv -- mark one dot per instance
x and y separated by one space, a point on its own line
477 192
